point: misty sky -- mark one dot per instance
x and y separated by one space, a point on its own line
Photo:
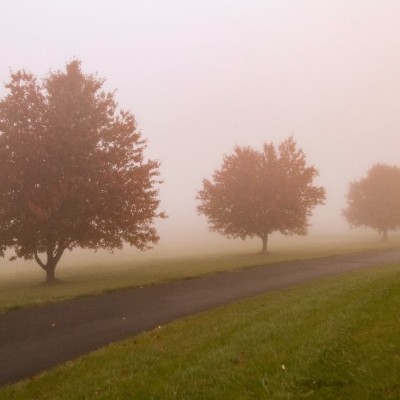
202 76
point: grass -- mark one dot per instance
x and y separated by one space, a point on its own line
18 290
338 338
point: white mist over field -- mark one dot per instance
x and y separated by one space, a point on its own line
203 76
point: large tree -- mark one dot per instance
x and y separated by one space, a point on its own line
72 169
255 193
374 201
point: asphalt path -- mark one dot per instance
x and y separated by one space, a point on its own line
35 339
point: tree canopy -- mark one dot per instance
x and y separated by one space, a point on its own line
72 169
255 193
374 201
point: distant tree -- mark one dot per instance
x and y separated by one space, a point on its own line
72 169
374 201
256 193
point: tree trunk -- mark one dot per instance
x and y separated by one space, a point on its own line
53 257
50 276
385 235
264 244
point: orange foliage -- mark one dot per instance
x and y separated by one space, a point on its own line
72 170
255 193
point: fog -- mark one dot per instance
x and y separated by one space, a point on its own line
203 76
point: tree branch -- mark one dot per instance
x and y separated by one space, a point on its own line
59 252
39 261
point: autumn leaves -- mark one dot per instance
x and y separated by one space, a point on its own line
73 174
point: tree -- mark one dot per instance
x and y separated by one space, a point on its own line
256 193
72 169
374 201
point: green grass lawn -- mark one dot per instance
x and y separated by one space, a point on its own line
338 338
27 289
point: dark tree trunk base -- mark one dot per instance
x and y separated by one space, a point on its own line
50 277
54 253
264 250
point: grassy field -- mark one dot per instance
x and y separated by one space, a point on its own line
338 338
24 287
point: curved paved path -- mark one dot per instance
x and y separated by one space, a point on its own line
35 339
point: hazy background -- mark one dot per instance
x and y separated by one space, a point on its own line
202 76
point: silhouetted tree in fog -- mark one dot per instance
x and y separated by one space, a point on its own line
256 193
72 169
374 201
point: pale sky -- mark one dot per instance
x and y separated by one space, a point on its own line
203 76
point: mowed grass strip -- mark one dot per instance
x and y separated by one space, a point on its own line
338 338
26 288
